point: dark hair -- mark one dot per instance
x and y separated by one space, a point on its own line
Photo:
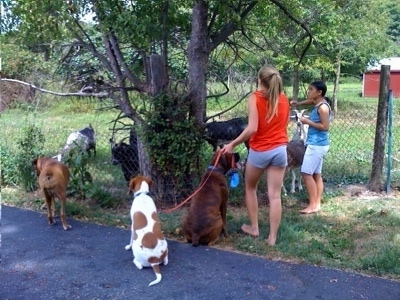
328 100
320 86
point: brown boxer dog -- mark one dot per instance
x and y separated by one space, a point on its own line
53 177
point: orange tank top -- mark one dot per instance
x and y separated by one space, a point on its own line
270 134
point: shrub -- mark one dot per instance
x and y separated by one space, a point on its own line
174 142
17 166
80 182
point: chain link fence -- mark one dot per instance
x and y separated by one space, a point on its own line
352 136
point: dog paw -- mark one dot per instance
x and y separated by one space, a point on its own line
137 264
128 247
51 223
67 227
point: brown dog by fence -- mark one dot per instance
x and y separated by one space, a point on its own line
205 220
53 177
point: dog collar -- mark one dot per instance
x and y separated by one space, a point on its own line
212 168
139 193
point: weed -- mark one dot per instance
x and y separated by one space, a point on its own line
81 180
102 197
382 260
16 165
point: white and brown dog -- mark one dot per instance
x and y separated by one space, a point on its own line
149 247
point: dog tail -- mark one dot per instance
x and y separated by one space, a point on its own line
156 269
49 181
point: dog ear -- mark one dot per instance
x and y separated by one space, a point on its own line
149 181
36 167
34 162
131 185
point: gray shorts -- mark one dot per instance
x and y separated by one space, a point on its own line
276 157
313 159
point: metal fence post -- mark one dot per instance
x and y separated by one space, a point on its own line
389 141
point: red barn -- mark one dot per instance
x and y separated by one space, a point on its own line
371 78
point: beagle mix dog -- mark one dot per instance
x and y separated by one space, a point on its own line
53 177
149 247
205 220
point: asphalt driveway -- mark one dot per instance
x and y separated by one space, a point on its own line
89 262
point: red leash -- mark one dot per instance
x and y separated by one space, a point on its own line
197 190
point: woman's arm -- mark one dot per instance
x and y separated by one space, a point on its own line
250 129
304 102
323 112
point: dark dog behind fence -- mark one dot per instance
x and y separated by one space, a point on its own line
126 155
218 132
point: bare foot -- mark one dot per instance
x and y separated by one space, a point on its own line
270 241
249 230
310 210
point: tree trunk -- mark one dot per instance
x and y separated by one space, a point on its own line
198 59
158 75
375 182
335 86
295 88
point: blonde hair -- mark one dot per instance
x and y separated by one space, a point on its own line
272 81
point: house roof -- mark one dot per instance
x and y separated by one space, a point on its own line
393 62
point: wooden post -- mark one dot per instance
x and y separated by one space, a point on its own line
296 79
158 75
375 181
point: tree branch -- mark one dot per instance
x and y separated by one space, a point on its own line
78 94
89 45
230 28
227 109
301 24
125 68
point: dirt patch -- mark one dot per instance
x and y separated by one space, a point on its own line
362 191
12 93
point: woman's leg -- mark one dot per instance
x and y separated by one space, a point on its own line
311 174
252 176
314 183
312 186
320 189
275 177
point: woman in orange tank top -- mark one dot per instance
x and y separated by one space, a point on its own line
268 114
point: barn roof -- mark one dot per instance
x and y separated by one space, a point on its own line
393 62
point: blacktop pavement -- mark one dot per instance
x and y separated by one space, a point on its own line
39 261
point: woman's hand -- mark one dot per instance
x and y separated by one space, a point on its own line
228 148
304 120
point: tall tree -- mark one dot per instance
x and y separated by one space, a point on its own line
153 57
393 8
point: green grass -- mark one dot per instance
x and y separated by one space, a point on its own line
354 234
357 230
